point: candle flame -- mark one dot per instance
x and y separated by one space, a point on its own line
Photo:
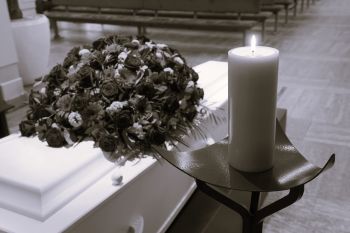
253 44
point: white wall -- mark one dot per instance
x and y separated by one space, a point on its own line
10 82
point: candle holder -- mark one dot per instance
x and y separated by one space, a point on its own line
210 168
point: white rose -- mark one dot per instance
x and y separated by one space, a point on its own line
83 51
122 56
168 70
178 60
116 106
75 119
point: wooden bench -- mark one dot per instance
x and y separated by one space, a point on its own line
127 13
277 5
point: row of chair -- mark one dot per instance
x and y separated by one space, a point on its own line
221 15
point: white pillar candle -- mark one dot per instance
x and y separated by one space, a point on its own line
252 91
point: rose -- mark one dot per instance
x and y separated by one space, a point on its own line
193 74
40 112
190 113
79 103
133 62
123 119
74 51
96 60
64 103
86 75
108 143
171 104
197 94
111 59
70 60
146 88
109 88
57 74
99 44
92 112
27 128
75 119
141 104
97 132
55 138
123 39
156 136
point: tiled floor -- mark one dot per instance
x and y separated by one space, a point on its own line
314 68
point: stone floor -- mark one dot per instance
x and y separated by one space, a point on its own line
315 71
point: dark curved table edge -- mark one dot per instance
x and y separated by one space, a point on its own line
330 163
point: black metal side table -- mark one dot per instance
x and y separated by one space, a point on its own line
209 167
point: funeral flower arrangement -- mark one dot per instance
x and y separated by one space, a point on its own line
125 93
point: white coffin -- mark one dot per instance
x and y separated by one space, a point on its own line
49 190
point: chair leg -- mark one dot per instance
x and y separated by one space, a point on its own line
244 37
263 30
276 21
54 26
139 30
286 9
295 8
302 5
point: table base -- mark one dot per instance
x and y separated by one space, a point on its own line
254 217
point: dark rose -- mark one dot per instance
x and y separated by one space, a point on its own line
70 60
171 104
97 132
197 94
79 103
55 138
146 88
96 60
194 75
99 44
64 103
129 75
27 128
111 39
156 78
40 112
92 112
143 39
141 104
57 74
109 88
86 75
156 136
123 39
108 143
133 62
111 59
152 62
131 45
190 113
124 119
176 83
74 52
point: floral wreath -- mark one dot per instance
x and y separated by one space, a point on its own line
125 93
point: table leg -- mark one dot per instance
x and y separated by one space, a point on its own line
252 218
